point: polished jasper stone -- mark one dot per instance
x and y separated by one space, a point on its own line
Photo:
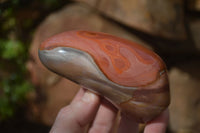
53 91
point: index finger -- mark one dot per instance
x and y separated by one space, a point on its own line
74 117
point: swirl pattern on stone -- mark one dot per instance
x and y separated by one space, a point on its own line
130 76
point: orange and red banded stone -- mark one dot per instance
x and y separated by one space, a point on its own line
122 61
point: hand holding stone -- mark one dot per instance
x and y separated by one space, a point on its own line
131 77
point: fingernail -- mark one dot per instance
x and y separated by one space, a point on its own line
89 96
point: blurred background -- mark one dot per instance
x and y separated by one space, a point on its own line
31 96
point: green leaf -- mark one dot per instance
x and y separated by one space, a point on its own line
20 91
11 49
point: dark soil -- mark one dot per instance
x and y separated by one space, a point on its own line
20 124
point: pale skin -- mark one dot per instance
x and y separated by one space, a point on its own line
89 109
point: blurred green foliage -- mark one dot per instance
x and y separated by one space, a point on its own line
11 49
13 84
18 20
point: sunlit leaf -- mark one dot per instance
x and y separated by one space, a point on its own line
11 49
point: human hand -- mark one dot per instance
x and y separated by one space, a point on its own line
87 108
